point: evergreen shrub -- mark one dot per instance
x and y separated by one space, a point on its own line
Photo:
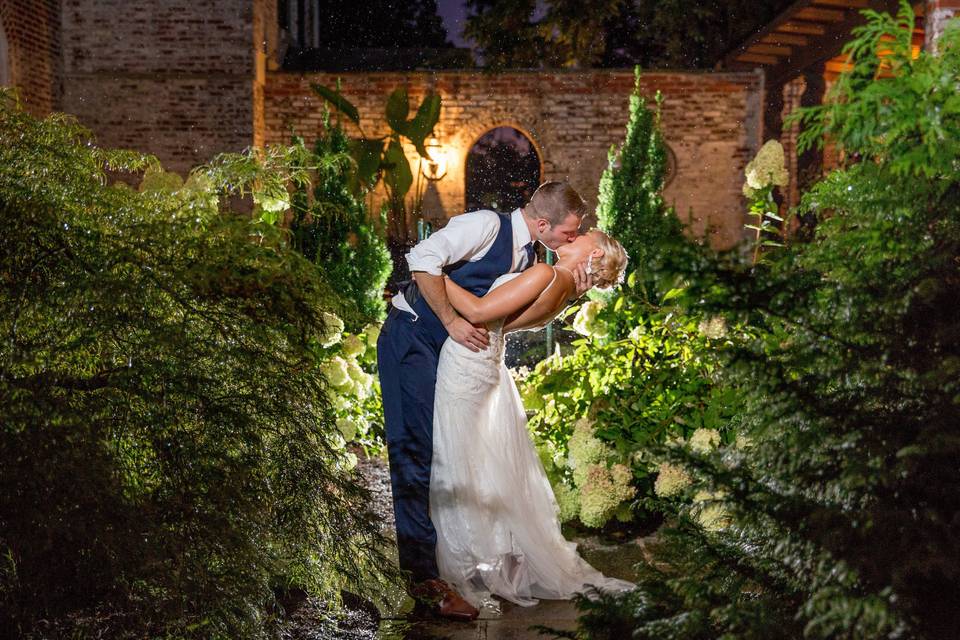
841 510
640 373
166 464
335 231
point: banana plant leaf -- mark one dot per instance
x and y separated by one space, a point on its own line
398 107
397 172
422 124
335 98
368 154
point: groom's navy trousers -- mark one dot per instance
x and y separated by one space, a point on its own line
407 352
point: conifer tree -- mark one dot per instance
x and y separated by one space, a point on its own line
630 204
335 231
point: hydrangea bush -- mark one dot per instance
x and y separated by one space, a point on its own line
642 372
611 399
353 390
836 515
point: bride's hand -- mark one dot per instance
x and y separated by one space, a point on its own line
582 279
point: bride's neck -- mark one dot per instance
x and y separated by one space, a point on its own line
567 262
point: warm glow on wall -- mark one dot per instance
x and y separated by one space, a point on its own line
434 167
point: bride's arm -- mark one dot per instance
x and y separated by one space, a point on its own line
508 298
544 309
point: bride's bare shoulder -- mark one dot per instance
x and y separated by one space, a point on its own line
540 270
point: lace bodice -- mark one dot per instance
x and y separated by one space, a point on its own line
492 355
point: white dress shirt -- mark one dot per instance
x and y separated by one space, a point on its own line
469 237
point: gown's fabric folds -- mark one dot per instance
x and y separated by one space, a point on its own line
490 500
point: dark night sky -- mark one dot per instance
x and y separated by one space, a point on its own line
454 14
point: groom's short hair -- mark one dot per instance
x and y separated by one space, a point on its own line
555 200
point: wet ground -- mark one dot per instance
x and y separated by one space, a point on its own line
512 622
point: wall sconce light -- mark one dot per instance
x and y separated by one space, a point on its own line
434 167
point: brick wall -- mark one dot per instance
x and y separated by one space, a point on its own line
711 122
174 78
32 30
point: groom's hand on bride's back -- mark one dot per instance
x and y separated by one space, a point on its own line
469 335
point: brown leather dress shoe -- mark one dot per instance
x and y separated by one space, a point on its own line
444 600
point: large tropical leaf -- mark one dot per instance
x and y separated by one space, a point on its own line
335 98
428 113
398 107
397 172
367 153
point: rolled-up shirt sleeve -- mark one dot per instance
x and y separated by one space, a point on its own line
467 236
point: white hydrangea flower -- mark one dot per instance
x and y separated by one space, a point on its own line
337 440
334 329
335 371
349 461
370 334
585 323
568 501
353 346
347 428
671 480
603 491
766 169
584 450
704 440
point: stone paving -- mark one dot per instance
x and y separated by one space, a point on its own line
514 622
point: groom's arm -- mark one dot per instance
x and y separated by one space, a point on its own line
434 292
465 237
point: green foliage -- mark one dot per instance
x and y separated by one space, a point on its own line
630 204
895 109
654 385
842 513
382 160
165 455
333 230
643 372
350 368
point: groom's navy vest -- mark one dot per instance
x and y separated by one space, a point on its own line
476 277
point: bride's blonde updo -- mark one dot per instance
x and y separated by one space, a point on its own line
607 270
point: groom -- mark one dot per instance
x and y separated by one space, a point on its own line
474 249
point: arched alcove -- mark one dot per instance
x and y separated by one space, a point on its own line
502 170
6 74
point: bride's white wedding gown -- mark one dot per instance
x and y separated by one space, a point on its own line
490 500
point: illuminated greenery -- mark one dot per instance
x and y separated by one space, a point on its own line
838 512
166 460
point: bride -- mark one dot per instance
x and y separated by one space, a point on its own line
490 501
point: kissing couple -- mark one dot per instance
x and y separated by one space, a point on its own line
475 512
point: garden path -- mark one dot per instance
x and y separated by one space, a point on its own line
513 622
